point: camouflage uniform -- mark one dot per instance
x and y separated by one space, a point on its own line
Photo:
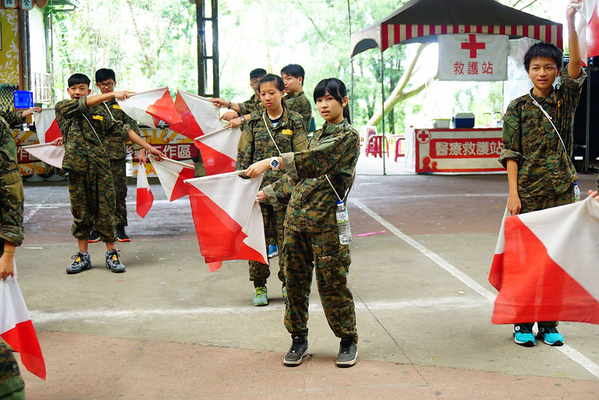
254 145
117 152
11 229
311 237
299 103
86 159
546 174
251 105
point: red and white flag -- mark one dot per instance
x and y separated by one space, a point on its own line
549 268
16 327
497 265
587 29
149 108
46 126
227 218
145 198
219 150
172 175
48 153
473 57
198 115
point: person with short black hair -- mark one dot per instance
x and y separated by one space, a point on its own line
538 142
294 77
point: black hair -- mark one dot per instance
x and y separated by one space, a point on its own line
78 79
280 85
336 88
104 74
257 73
544 50
294 70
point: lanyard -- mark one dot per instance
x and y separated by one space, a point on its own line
536 103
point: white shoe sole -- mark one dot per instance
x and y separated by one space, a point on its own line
349 363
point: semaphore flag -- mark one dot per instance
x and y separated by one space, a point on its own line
46 126
17 329
145 198
150 107
172 175
198 115
227 218
47 152
219 150
549 270
497 265
587 29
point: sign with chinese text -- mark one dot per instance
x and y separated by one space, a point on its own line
473 57
457 150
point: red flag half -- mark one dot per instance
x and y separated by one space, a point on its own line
172 175
227 219
497 265
46 125
145 198
150 107
199 116
219 150
16 327
549 267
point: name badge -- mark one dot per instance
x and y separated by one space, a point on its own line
287 132
98 117
116 107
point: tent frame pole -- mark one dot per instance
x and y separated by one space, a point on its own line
383 112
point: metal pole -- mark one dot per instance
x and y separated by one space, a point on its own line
201 37
383 111
215 59
587 141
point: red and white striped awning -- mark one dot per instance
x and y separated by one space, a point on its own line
429 18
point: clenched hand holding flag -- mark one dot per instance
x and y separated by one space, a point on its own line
227 218
150 107
549 270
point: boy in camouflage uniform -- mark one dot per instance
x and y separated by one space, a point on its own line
293 75
537 158
11 235
316 179
117 152
256 144
85 127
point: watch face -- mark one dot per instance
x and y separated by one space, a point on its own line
274 163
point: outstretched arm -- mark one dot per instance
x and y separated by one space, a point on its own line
574 67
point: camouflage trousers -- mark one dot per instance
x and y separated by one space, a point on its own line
11 383
119 177
322 252
535 203
92 202
273 219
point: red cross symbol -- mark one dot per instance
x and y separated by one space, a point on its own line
423 136
473 46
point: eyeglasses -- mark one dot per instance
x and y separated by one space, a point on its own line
106 85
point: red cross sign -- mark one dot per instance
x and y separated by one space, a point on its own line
473 46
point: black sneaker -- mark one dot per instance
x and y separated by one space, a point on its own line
121 235
348 353
113 262
94 237
299 348
81 262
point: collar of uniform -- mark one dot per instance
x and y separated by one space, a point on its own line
283 121
551 99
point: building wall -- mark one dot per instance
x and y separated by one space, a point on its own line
9 57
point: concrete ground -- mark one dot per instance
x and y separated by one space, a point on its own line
168 328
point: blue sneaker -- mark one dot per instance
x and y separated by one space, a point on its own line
550 335
523 335
273 251
260 296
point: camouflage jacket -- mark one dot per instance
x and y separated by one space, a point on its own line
544 167
84 131
255 143
11 186
10 379
300 104
333 151
251 105
114 144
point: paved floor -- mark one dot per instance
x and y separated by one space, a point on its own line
168 328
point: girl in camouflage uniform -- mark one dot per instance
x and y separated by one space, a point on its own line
316 178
